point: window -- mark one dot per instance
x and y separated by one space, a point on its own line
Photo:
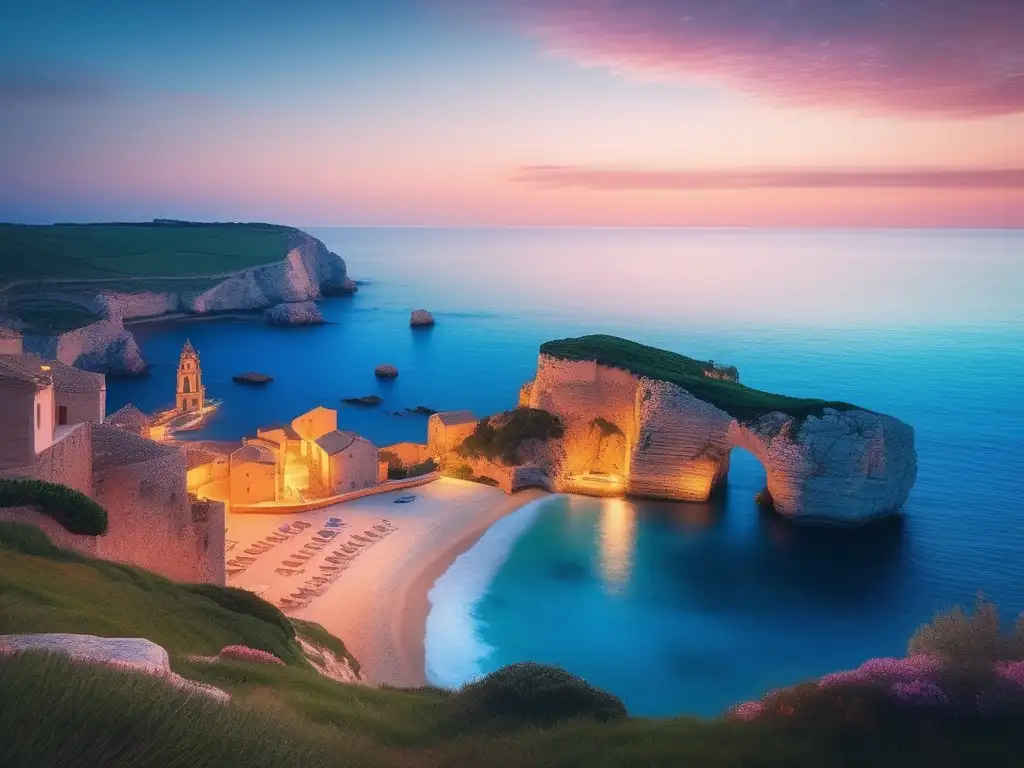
187 386
62 414
39 415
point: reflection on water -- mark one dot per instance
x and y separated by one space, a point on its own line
616 541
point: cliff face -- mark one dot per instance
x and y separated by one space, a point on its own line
105 347
294 313
652 438
308 271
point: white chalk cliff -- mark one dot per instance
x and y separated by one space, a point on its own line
653 438
306 272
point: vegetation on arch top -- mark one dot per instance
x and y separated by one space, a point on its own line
160 248
742 403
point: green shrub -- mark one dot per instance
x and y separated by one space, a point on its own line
26 539
416 470
461 472
502 443
976 638
392 458
533 694
245 602
72 509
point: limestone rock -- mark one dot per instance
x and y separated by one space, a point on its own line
308 272
118 306
104 347
252 378
421 319
128 654
657 439
294 313
366 400
385 372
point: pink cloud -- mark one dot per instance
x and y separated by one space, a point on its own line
564 176
940 58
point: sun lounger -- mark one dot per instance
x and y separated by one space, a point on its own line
236 571
248 560
291 563
289 571
276 539
302 524
252 551
371 534
328 567
363 539
328 534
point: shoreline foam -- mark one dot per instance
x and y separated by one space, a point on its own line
378 607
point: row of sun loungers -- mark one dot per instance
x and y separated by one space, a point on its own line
338 561
238 564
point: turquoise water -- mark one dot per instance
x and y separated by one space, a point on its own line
676 607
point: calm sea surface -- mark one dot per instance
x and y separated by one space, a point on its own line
676 607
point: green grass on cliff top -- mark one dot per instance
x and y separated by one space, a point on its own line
69 252
742 403
54 713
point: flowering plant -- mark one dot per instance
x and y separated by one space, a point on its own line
245 653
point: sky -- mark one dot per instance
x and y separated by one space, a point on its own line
790 113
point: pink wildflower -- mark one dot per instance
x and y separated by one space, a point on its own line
748 710
885 670
245 653
1011 671
922 693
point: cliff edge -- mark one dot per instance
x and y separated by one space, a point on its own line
116 273
651 423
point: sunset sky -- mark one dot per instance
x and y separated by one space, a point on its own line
525 112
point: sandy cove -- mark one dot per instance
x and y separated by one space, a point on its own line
379 605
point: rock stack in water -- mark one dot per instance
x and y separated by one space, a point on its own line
294 313
421 319
385 372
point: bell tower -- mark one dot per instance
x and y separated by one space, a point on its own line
191 393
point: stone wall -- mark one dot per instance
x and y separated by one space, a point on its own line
150 518
17 424
82 406
208 520
409 454
66 462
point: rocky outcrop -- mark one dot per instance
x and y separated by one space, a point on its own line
125 654
294 313
104 347
252 378
308 272
118 306
385 372
421 319
654 438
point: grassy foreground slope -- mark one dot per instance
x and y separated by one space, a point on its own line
69 252
743 403
56 713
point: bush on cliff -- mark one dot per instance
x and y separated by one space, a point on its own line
499 438
72 509
245 602
970 638
529 694
401 472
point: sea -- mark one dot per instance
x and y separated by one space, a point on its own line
676 608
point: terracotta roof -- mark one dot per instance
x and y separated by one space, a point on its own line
450 418
255 453
269 444
336 441
116 447
129 417
74 380
25 370
8 333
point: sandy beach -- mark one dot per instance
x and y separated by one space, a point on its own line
378 606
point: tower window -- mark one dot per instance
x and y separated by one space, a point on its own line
39 415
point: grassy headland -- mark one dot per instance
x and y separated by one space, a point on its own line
47 272
58 713
742 403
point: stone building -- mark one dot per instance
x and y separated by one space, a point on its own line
191 394
253 474
342 462
51 419
446 431
10 341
